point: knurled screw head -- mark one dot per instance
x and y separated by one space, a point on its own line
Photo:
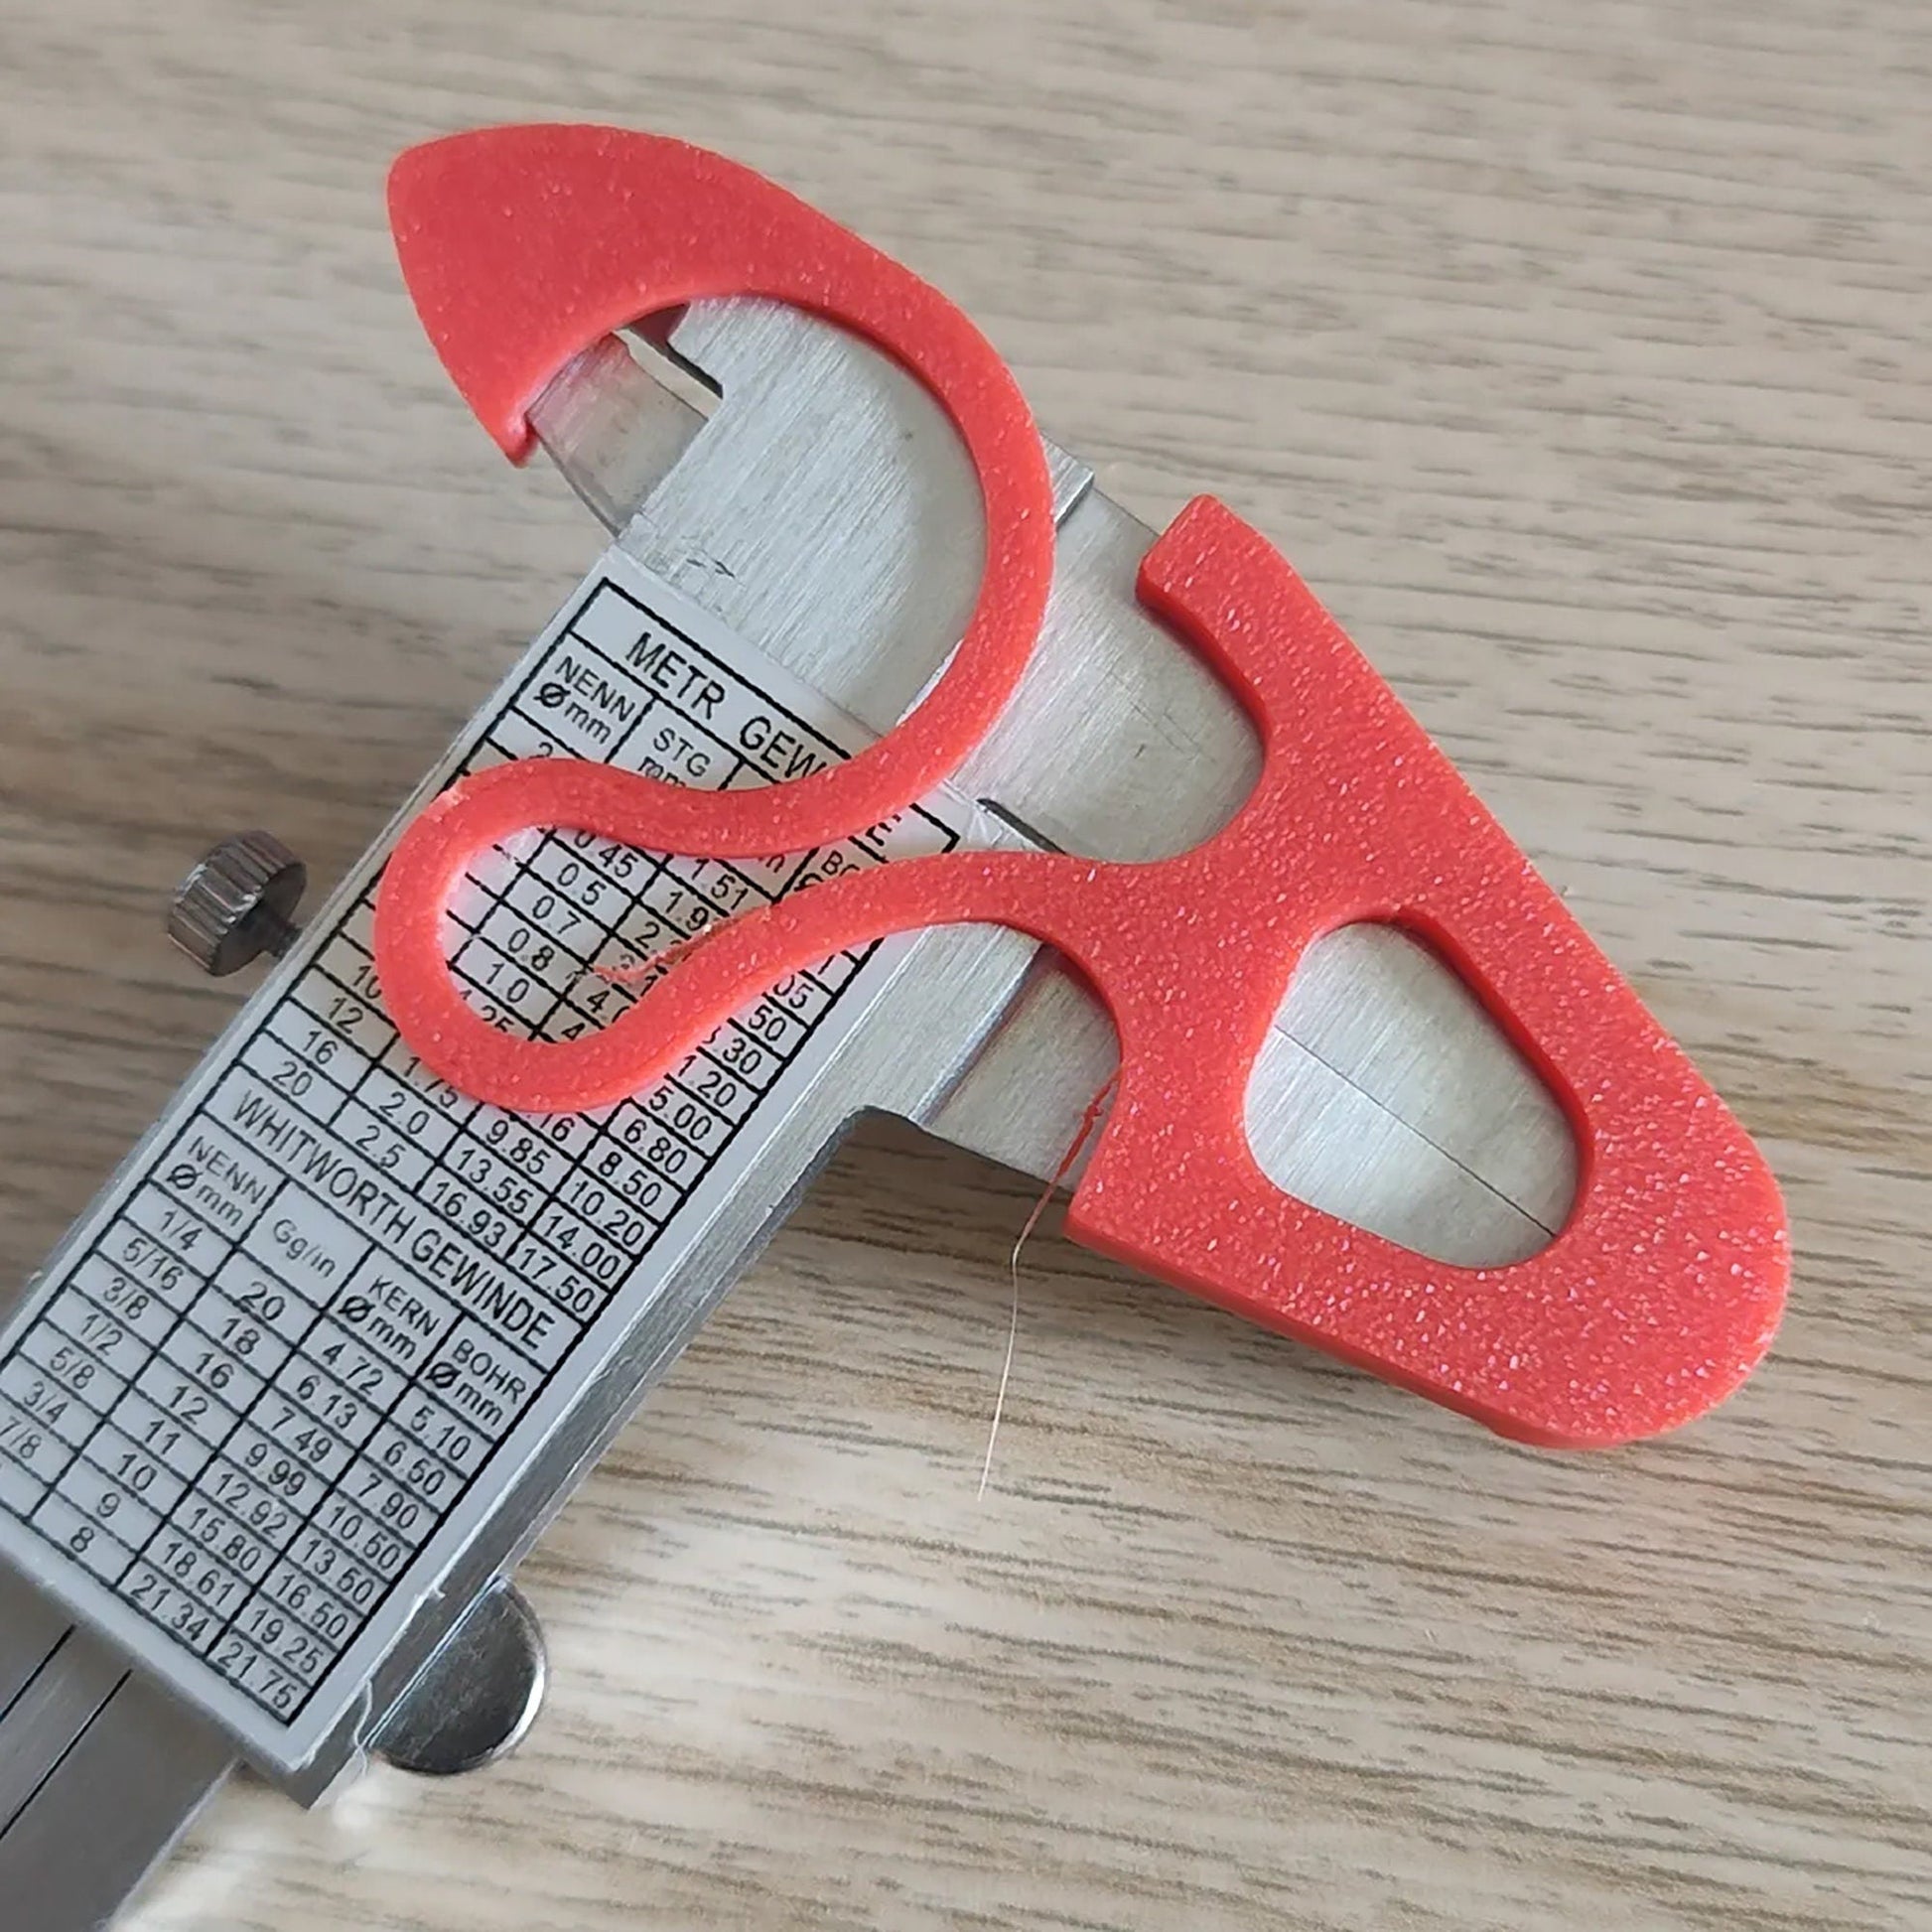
239 903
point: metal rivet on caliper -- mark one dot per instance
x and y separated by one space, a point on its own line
239 903
477 1696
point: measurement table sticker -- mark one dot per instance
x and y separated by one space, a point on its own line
242 1410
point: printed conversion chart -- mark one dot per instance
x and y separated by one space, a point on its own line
242 1411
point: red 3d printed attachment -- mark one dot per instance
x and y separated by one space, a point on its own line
1663 1289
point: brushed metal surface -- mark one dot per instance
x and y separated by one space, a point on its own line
828 514
99 1772
824 510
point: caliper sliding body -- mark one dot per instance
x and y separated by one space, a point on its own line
881 764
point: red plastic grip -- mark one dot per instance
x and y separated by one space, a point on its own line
1652 1304
523 245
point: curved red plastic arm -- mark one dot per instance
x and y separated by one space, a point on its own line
523 245
1654 1302
1665 1286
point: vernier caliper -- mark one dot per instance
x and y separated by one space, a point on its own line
881 763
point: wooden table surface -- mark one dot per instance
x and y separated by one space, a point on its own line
1578 355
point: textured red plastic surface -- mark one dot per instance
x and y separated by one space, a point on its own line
1651 1305
523 245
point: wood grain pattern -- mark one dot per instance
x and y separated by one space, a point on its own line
1577 354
